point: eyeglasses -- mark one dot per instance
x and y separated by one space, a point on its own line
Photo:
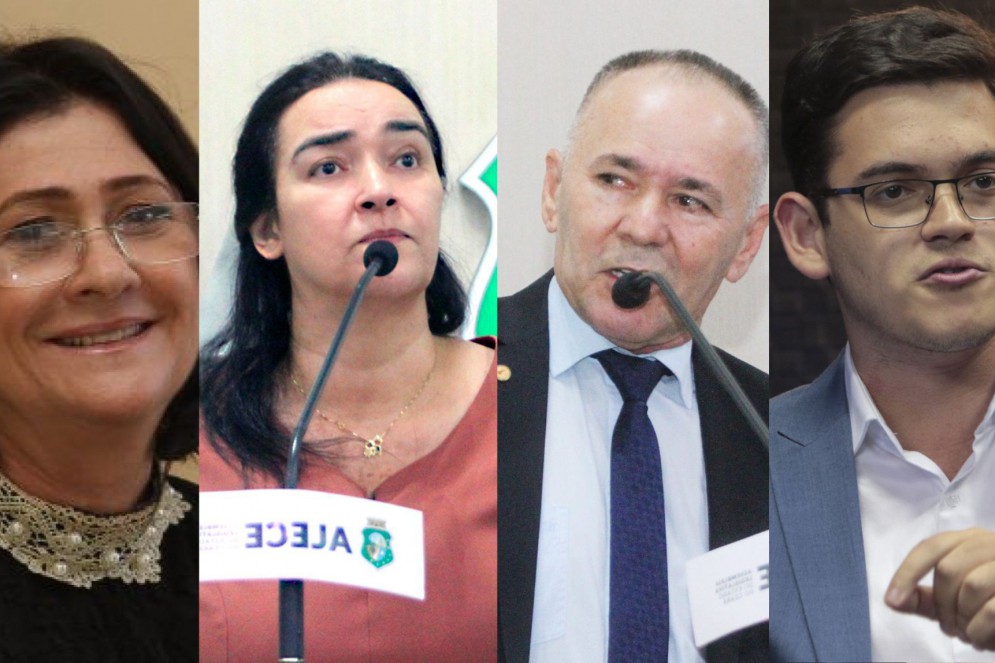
907 203
51 249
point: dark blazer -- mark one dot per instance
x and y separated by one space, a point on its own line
818 579
735 468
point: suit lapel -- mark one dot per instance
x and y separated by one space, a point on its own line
523 349
736 472
814 485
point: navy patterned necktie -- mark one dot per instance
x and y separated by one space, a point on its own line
639 611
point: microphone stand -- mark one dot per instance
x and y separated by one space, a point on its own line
633 291
380 261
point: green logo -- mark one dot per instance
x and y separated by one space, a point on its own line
481 179
376 543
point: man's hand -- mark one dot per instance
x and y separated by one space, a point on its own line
962 597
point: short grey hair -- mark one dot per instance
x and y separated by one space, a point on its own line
693 64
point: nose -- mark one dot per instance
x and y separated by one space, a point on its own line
103 268
644 221
376 192
946 219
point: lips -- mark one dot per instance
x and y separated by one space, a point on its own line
96 337
953 271
390 234
616 272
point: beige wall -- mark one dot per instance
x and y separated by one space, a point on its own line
157 38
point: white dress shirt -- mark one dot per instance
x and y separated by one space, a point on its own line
570 618
905 498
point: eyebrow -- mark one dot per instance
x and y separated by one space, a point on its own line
393 126
324 139
32 195
982 158
401 126
62 194
636 166
694 184
133 182
622 161
902 168
889 168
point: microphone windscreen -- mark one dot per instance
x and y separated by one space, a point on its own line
631 290
383 251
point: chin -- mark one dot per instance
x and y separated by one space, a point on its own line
634 328
957 340
130 401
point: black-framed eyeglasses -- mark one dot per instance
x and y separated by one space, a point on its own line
50 249
907 203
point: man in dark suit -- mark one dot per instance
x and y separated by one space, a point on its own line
665 171
882 469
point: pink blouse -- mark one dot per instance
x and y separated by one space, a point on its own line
455 486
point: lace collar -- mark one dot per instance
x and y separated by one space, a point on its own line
80 548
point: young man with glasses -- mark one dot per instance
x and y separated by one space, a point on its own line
883 469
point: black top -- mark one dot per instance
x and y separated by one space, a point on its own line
46 620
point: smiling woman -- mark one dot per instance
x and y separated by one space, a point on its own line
335 154
98 326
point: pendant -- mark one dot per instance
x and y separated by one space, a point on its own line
373 447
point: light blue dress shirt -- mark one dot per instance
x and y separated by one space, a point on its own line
570 619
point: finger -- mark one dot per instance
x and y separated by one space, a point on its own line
950 574
980 630
926 604
902 592
976 590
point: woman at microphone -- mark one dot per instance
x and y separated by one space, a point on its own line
98 346
336 153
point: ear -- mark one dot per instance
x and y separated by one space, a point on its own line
752 239
551 189
265 233
802 234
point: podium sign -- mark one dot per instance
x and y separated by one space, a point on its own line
311 535
728 588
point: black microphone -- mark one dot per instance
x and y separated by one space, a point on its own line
632 290
380 258
384 252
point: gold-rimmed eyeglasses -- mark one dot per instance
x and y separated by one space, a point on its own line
50 249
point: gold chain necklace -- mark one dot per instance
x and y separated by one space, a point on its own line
80 548
373 446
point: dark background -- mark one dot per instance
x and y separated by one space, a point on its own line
806 331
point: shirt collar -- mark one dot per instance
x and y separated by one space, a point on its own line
576 340
866 419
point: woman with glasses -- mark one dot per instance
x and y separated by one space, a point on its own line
336 153
98 348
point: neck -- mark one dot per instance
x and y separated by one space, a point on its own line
388 348
92 466
933 401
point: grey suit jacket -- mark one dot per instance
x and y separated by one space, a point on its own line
735 470
818 581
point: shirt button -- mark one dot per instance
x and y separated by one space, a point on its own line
952 500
